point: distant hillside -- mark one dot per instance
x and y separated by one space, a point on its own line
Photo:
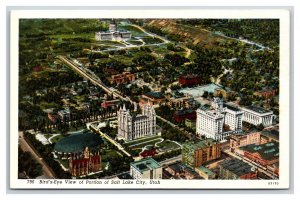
181 32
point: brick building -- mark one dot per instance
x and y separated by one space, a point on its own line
182 115
189 80
125 77
80 165
236 169
196 154
244 139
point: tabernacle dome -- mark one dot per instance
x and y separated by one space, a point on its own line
77 142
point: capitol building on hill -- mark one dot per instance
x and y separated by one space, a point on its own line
132 126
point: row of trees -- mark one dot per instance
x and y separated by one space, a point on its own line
46 152
27 164
167 155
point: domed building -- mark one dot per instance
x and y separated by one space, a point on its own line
82 151
77 142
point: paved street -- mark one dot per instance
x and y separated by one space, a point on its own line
26 147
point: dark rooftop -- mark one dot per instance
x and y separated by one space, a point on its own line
156 95
271 133
125 175
230 107
267 151
257 109
236 166
77 142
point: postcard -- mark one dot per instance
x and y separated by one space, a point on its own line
150 99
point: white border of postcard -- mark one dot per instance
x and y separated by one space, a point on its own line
284 158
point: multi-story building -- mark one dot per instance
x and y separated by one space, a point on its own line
131 126
85 163
205 173
244 139
189 80
113 33
257 115
236 169
181 115
64 114
196 154
219 120
269 136
264 154
154 98
146 169
125 77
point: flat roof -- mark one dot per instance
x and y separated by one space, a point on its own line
156 95
199 145
205 170
145 164
267 151
271 133
236 166
258 109
199 90
230 107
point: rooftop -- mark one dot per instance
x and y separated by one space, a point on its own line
77 142
267 151
230 107
199 145
156 95
257 109
236 166
199 91
145 164
271 133
206 170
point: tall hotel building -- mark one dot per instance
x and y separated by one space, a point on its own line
219 120
131 127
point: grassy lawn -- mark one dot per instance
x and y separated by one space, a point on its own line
145 144
168 144
108 154
135 42
65 163
57 138
151 40
122 58
110 43
137 141
47 136
135 32
74 36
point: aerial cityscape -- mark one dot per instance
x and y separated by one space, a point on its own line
174 99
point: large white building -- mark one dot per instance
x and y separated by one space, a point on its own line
219 120
113 33
131 127
146 169
257 115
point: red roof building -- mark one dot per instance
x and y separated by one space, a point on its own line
181 115
189 80
148 153
83 165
